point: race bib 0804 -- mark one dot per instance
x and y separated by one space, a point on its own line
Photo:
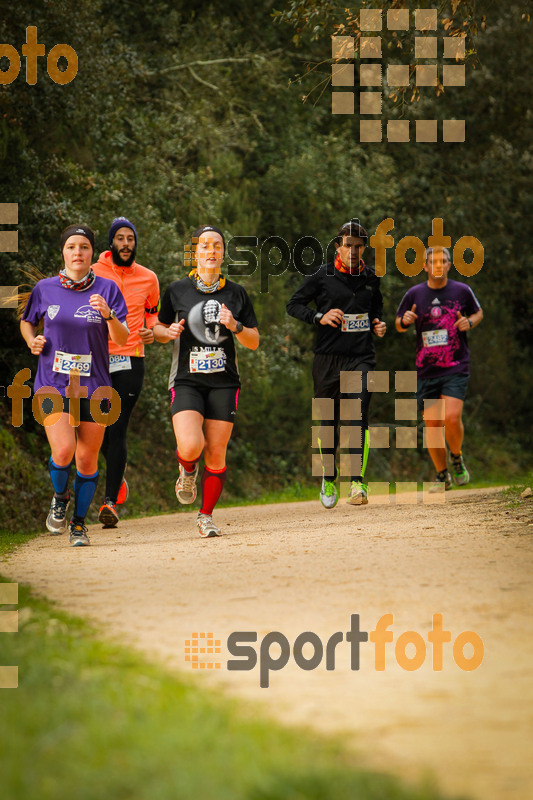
66 362
355 323
206 360
435 338
117 363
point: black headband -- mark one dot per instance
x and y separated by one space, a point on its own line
198 232
77 230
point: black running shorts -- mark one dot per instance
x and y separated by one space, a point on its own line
211 403
454 385
84 411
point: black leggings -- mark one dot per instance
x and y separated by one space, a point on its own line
128 383
327 384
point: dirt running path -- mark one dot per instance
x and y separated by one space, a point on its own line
294 567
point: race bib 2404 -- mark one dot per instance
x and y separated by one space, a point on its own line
355 323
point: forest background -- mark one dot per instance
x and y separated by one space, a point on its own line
187 113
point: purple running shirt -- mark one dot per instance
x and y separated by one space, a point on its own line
76 334
439 345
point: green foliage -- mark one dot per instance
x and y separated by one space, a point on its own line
25 480
185 113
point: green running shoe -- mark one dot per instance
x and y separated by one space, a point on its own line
358 494
461 475
328 494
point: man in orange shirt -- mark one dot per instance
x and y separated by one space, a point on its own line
140 288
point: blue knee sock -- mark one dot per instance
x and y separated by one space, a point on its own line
59 476
84 489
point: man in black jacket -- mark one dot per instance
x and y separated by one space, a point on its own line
348 311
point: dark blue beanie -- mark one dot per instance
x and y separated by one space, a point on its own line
121 222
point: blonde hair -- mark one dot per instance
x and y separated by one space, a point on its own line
34 275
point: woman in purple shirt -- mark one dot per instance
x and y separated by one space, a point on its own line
80 312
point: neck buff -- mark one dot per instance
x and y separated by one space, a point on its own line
77 286
348 270
206 288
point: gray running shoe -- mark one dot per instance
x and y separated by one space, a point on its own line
328 494
78 534
358 494
443 477
186 486
206 526
461 475
56 521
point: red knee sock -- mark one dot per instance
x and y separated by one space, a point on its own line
188 466
212 483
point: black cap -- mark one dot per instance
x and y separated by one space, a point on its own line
352 228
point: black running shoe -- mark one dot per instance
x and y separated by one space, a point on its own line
108 514
443 477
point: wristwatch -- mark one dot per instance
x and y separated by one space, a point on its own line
239 327
112 315
469 321
316 319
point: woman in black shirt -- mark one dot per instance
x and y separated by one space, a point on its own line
202 313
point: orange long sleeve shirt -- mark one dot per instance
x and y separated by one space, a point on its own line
140 288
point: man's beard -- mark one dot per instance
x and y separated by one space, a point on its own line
119 261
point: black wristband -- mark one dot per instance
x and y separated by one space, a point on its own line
404 327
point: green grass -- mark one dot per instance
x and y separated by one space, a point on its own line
92 720
512 493
10 540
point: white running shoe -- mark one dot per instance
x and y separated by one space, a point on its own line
186 485
56 521
358 494
206 526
